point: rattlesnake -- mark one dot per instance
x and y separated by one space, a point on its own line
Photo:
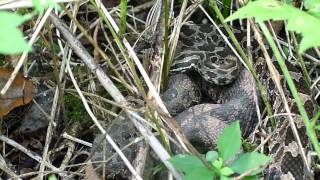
209 89
203 50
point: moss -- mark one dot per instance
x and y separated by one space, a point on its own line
75 110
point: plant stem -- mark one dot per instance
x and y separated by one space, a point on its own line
123 17
301 62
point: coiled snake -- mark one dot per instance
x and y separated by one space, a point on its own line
208 89
203 50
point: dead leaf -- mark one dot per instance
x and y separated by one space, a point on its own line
21 91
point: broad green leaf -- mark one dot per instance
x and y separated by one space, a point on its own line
38 6
251 178
217 163
52 177
186 163
249 161
226 171
298 20
229 142
313 6
192 167
212 156
225 178
41 5
264 10
199 174
12 41
11 19
11 38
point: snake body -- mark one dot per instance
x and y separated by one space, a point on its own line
209 89
222 81
232 94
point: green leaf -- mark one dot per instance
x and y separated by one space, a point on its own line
264 10
11 19
249 161
186 163
52 177
11 38
217 163
313 6
229 142
226 171
212 156
41 5
192 167
255 177
199 174
38 6
299 21
225 178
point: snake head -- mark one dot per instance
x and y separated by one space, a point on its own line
220 71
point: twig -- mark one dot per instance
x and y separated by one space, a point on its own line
77 140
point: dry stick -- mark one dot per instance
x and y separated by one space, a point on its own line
114 92
29 153
77 140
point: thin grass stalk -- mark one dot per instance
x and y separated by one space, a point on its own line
166 60
310 131
155 119
260 86
300 61
123 17
315 119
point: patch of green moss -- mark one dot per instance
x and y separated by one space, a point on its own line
75 110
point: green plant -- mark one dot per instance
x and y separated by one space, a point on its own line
225 162
10 35
75 110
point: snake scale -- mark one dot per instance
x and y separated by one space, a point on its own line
232 91
209 89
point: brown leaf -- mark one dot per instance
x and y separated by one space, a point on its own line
21 91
